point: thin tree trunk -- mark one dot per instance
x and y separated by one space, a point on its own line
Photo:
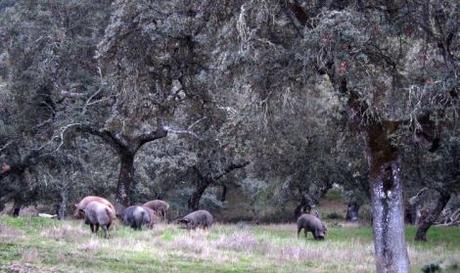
125 179
387 201
16 207
428 221
223 197
204 180
301 208
194 200
352 211
63 204
298 211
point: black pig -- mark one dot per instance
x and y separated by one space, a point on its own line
135 217
313 224
199 218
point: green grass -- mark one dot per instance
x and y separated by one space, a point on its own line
33 244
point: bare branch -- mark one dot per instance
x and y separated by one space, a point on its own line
151 136
6 146
179 131
68 94
107 136
233 166
196 122
62 133
88 101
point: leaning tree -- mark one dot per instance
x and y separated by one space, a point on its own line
433 172
393 66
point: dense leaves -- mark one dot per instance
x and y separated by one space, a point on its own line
193 100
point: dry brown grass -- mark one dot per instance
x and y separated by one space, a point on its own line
27 268
166 248
6 231
66 232
30 256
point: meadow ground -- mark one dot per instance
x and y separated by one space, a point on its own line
33 244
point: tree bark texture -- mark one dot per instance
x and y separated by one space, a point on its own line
125 179
428 221
63 204
387 201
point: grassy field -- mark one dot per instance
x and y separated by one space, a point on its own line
32 244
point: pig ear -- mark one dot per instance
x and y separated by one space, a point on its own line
76 205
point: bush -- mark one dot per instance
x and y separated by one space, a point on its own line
334 215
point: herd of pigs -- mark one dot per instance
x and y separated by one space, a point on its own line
99 212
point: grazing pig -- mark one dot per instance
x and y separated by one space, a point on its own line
80 207
135 217
160 206
154 218
99 215
313 224
199 218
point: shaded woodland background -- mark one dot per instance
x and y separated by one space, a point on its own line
251 109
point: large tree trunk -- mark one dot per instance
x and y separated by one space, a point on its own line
387 201
125 179
428 221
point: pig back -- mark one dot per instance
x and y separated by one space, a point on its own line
200 218
98 213
88 199
157 205
310 222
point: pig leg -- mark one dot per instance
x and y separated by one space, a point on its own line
106 231
97 228
92 228
306 232
299 229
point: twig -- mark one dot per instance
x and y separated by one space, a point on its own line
6 145
88 101
178 131
196 122
61 135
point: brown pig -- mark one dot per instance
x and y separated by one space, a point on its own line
98 215
79 208
159 206
154 218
